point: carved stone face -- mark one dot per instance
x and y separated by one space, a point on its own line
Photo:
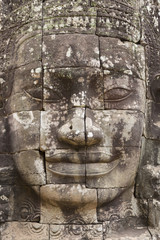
81 103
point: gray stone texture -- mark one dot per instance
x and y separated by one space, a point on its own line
75 50
68 203
79 120
25 231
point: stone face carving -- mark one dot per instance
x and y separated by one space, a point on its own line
79 113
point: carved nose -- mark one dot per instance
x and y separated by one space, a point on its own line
79 132
94 134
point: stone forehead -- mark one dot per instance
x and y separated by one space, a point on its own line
79 50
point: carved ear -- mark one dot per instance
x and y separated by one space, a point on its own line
155 89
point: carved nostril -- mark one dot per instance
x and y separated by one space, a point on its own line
94 135
72 132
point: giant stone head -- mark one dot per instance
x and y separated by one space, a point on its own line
75 107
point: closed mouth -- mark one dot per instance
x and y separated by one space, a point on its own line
81 170
81 157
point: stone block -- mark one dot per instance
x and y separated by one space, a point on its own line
25 231
8 172
19 203
73 87
24 130
30 165
77 232
22 102
27 78
5 141
125 228
115 171
120 128
148 185
74 50
25 45
65 166
119 57
122 91
69 17
154 213
117 204
130 234
23 12
155 233
26 206
68 203
121 23
20 131
28 49
153 121
150 152
26 88
60 129
52 6
6 203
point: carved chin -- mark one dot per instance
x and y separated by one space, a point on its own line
77 196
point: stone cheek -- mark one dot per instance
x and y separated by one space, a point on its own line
118 127
31 166
24 130
114 174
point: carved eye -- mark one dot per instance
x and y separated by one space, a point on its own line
117 94
35 94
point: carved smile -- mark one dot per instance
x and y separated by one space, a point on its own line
79 170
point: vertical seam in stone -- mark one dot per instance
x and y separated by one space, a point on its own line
85 132
42 60
99 46
49 231
97 205
148 217
103 231
146 105
150 233
140 21
42 153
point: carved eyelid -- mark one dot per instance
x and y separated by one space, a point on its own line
39 99
30 96
119 88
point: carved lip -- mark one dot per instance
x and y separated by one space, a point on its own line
80 170
82 157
